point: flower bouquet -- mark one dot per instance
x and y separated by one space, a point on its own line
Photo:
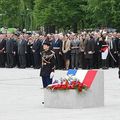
67 83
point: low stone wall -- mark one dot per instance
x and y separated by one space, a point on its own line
93 97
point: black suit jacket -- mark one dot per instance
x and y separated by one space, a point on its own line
22 47
89 46
3 44
10 46
37 46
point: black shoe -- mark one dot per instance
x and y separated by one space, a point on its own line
2 66
36 67
22 67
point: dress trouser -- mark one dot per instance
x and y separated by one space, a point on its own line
82 60
10 59
22 60
36 60
2 60
58 59
46 81
89 63
119 66
74 60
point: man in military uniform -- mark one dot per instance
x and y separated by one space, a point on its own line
48 64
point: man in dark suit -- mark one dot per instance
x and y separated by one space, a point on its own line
97 55
57 48
113 50
29 52
22 51
75 46
89 51
15 49
10 51
2 50
36 51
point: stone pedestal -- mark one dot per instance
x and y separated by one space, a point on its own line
93 97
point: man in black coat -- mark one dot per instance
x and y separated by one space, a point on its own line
15 49
22 51
97 54
75 45
57 48
89 51
104 55
29 52
36 52
2 50
10 51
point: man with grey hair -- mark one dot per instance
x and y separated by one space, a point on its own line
22 51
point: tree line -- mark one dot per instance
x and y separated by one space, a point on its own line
60 15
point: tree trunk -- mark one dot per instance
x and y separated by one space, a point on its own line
52 29
74 27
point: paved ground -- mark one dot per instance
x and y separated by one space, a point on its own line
21 97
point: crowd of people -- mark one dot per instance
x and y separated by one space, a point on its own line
83 50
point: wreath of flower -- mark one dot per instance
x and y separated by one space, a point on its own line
67 83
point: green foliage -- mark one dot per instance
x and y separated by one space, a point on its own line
16 13
63 14
9 12
104 12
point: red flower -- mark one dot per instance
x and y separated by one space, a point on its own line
64 85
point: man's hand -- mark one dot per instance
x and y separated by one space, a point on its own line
33 51
51 75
